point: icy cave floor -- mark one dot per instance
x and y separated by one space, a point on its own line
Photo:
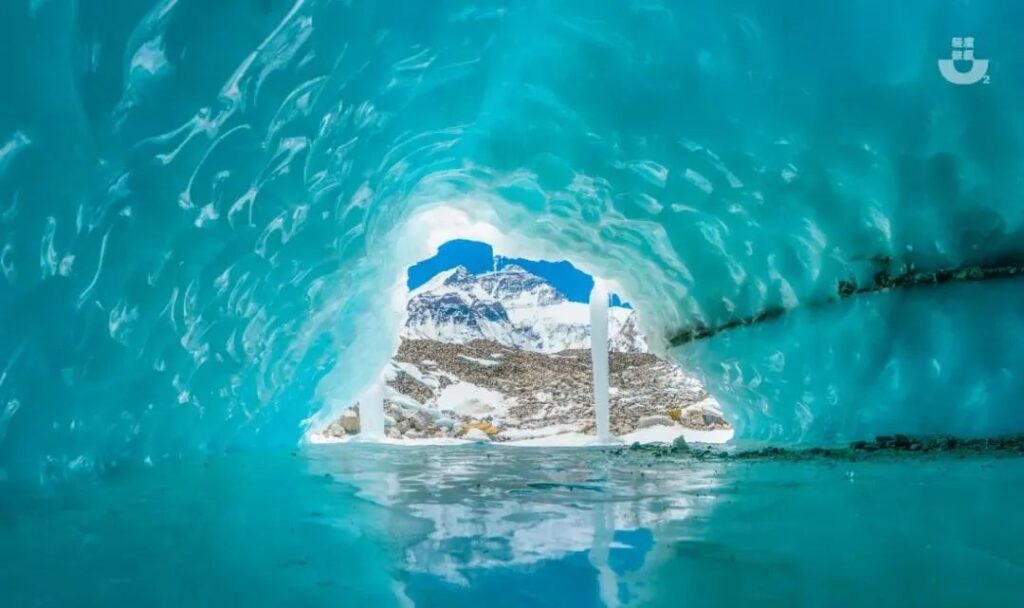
556 436
480 525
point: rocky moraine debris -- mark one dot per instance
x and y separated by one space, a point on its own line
522 390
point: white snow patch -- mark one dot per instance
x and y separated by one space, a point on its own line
708 403
668 434
402 400
410 369
561 440
318 439
514 435
657 434
483 362
468 399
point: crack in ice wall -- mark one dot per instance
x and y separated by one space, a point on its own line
205 207
882 281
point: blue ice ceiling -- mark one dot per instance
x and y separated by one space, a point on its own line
201 204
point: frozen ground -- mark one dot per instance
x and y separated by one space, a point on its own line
555 436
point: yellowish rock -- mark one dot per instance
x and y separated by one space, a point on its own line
675 414
483 425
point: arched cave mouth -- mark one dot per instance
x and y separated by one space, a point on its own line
499 349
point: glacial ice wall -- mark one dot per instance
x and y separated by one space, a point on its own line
204 205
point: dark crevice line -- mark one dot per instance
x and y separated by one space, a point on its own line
882 281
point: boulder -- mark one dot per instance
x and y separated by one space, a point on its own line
350 421
419 421
704 414
482 425
335 430
713 419
646 422
694 418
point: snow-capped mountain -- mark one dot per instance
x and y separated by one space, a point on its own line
482 358
513 307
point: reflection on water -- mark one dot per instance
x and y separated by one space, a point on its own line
358 525
529 525
586 527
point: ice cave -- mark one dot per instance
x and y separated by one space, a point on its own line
207 215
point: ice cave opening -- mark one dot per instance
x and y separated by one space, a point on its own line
520 352
203 231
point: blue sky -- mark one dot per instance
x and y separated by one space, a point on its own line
479 257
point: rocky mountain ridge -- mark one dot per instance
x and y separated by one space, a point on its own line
512 307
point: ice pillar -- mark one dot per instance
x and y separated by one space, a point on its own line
371 414
599 357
